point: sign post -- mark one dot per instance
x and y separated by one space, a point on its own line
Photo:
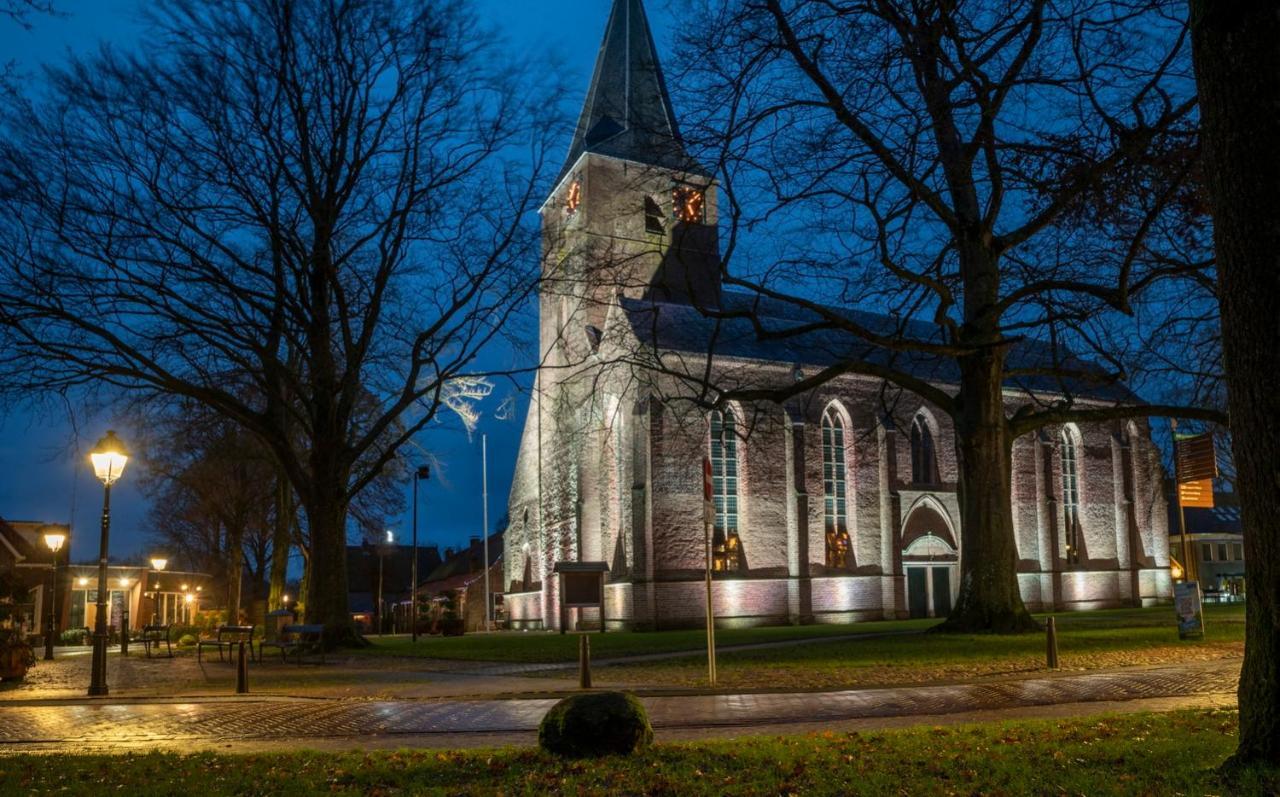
1195 463
708 522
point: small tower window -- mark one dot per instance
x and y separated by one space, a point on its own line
688 205
574 199
653 216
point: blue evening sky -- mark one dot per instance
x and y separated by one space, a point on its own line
44 474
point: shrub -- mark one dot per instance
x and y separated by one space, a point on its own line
187 641
596 724
75 636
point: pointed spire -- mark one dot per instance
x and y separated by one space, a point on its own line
627 113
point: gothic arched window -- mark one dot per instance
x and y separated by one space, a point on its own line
835 489
1071 494
924 459
726 546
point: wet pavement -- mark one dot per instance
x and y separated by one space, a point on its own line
190 723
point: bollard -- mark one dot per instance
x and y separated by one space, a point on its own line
584 661
242 673
1051 640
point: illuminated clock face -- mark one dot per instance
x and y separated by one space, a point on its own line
574 200
688 203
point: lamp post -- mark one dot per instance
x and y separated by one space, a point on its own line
423 473
382 555
109 458
53 541
158 564
125 581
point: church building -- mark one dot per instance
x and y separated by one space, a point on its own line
838 506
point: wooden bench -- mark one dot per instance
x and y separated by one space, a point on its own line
298 640
153 636
228 637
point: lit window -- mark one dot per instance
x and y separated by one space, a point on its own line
688 205
726 547
1206 552
574 200
1071 496
924 459
834 489
653 216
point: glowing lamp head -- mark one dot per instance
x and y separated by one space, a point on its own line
198 589
284 599
125 581
1175 569
391 536
54 540
190 598
82 581
109 457
159 563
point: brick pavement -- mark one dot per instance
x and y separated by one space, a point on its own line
95 724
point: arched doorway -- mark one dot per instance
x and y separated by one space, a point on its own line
930 562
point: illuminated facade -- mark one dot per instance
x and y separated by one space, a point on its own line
835 507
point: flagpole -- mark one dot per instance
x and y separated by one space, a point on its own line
484 476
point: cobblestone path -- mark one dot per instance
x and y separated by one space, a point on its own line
134 724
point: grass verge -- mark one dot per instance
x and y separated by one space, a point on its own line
1145 754
1086 641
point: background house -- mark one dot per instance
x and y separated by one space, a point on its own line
1216 538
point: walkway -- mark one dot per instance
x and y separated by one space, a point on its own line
25 726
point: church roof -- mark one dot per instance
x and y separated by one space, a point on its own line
683 328
627 113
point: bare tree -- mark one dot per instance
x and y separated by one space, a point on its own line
306 215
1003 182
1237 57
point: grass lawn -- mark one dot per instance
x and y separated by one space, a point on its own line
545 647
1086 640
1091 640
1145 754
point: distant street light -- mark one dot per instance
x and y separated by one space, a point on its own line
423 473
109 457
53 541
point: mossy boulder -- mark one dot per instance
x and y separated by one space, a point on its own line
596 724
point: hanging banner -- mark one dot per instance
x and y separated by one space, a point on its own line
1198 494
1195 458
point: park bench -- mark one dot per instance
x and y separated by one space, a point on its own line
153 636
298 640
227 638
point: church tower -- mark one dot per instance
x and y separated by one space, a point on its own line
631 215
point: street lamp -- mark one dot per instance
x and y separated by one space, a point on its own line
53 541
423 473
158 564
109 457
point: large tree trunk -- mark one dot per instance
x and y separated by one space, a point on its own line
989 599
281 542
326 508
1237 59
235 572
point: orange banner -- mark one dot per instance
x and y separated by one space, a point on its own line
1198 493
